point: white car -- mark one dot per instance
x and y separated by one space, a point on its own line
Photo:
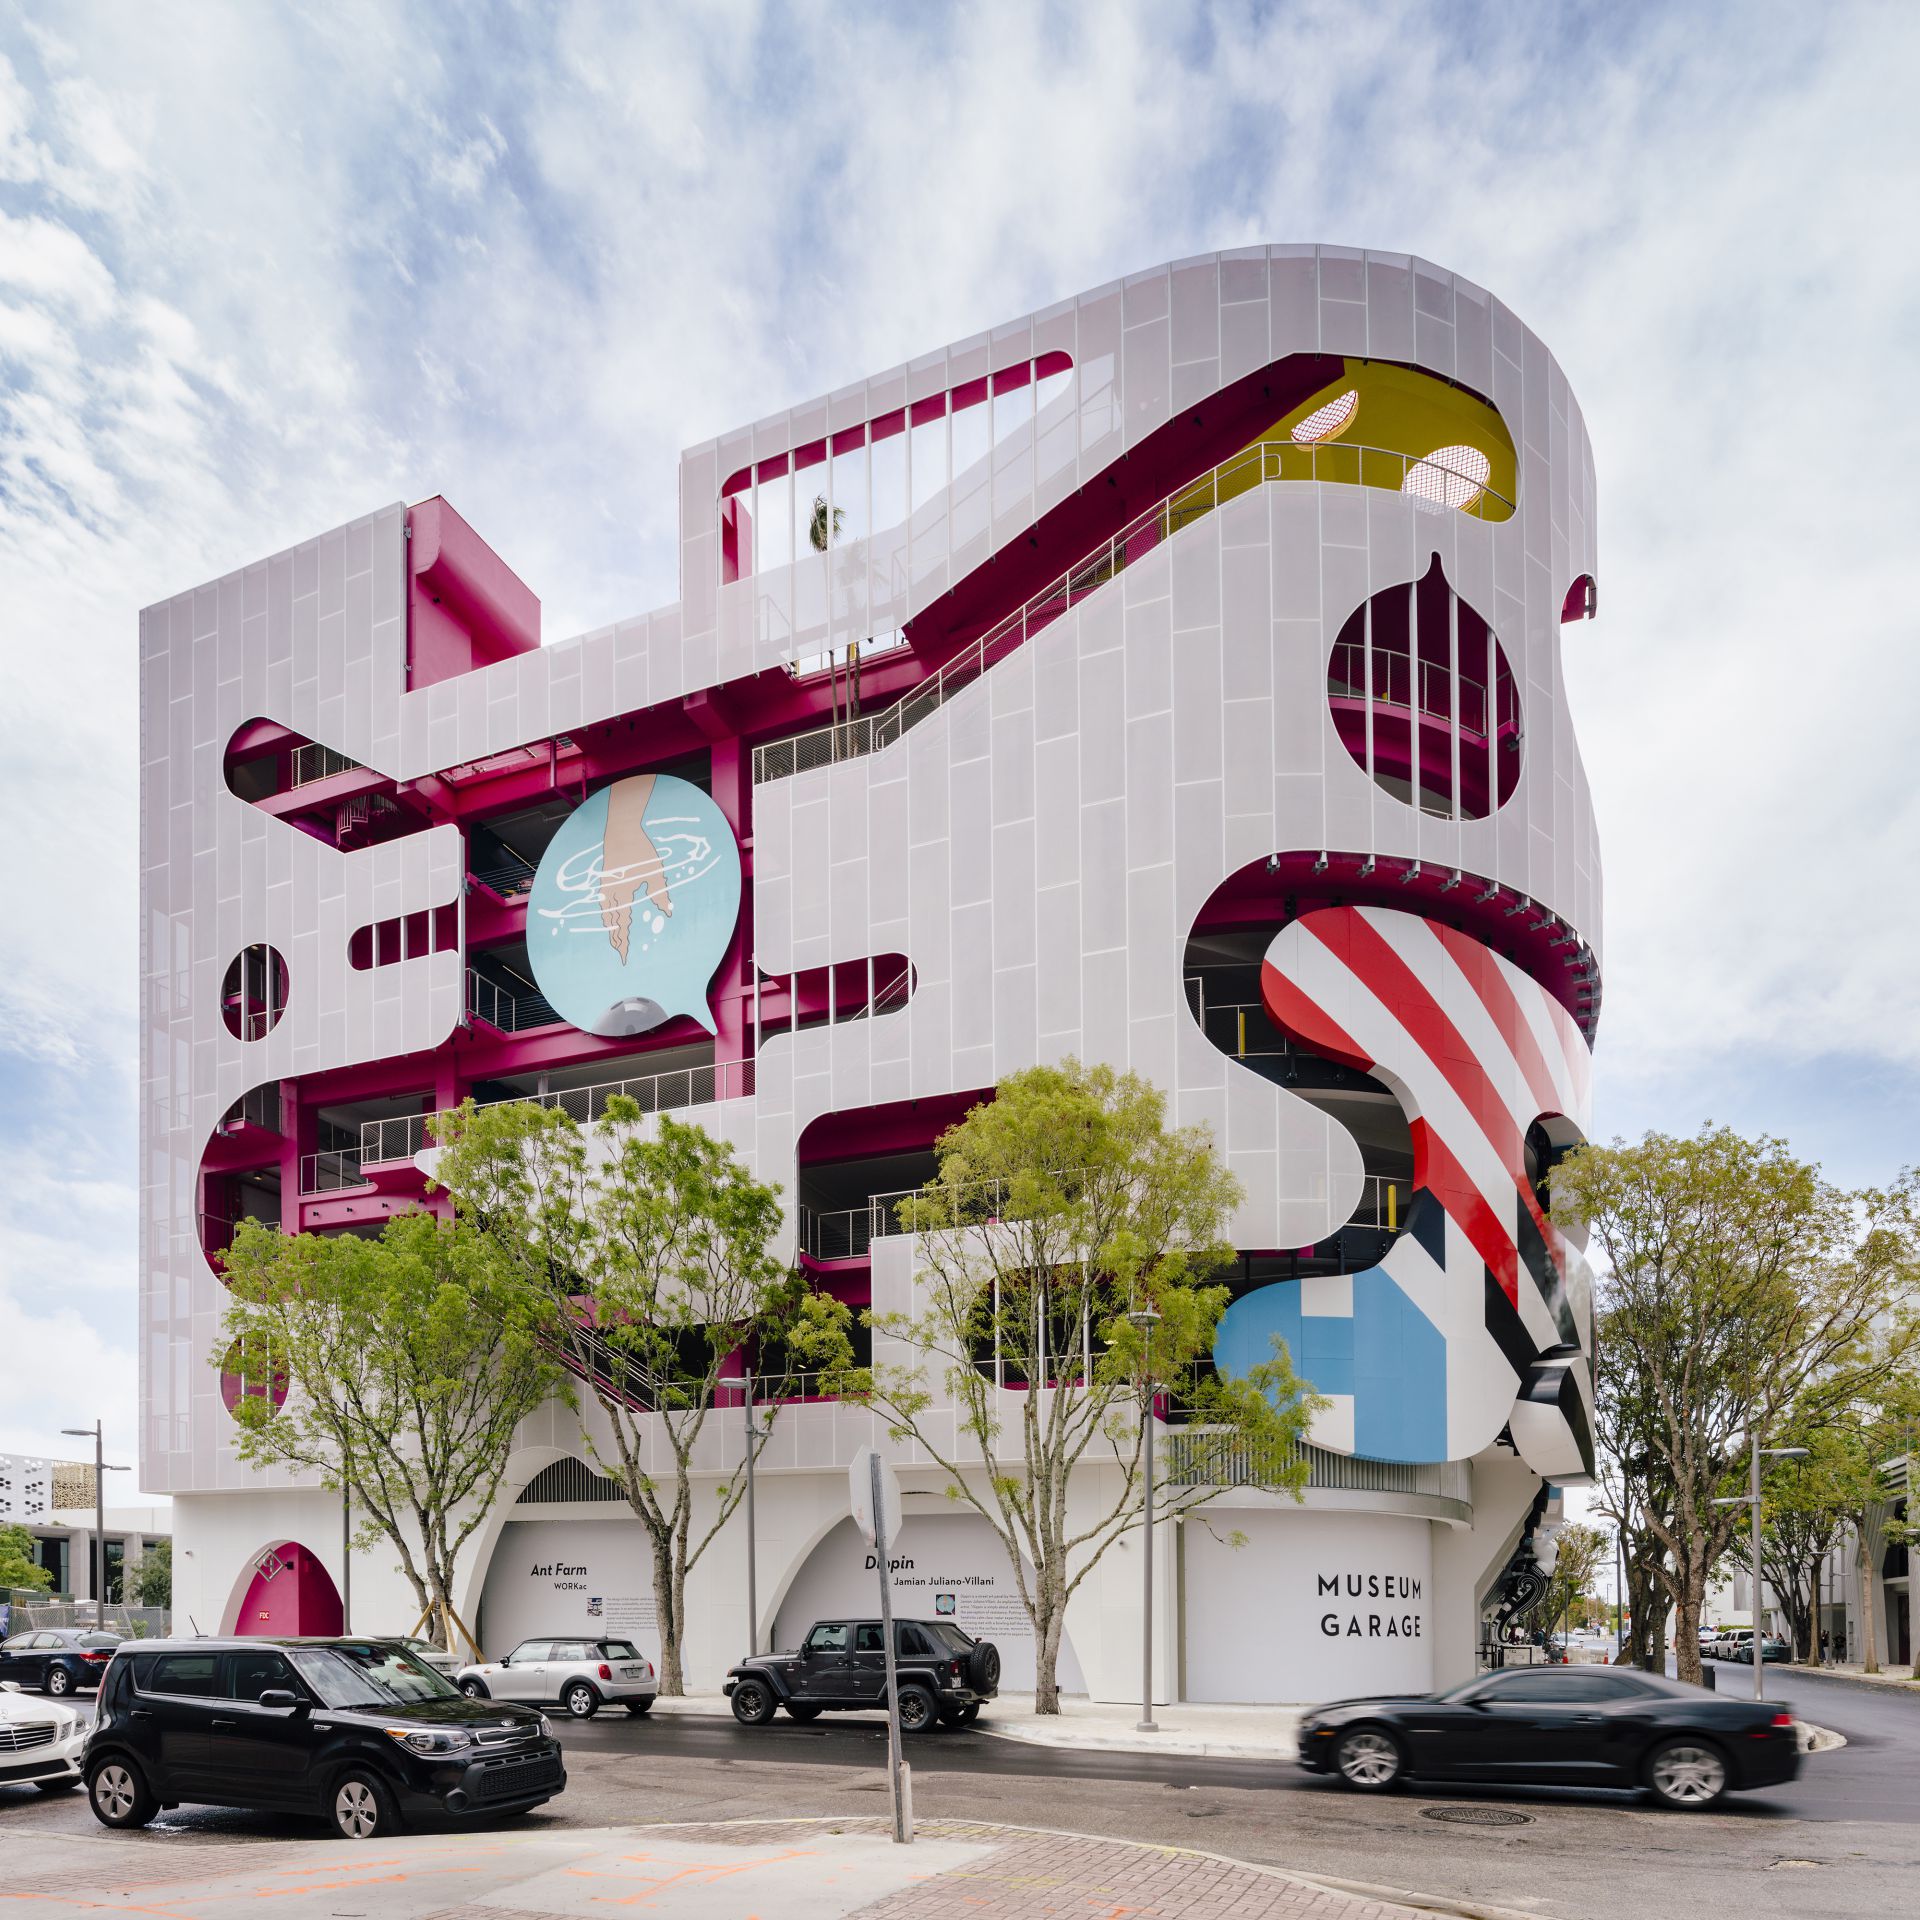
40 1741
447 1665
582 1675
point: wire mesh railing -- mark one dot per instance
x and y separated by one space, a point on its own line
313 762
1427 482
505 1010
331 1170
398 1137
1203 1457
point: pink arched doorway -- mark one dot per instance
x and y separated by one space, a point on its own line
290 1592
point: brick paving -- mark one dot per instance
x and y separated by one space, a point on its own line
1058 1876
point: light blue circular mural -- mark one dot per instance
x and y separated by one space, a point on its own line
633 905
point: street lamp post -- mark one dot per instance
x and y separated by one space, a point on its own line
1751 1501
97 1578
1144 1320
753 1596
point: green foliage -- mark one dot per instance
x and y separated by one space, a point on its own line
643 1249
1057 1208
412 1358
1738 1287
153 1577
18 1567
1583 1550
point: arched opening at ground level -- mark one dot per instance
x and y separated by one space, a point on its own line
290 1592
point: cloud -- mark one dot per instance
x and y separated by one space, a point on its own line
263 269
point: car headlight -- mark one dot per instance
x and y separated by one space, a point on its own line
546 1728
436 1741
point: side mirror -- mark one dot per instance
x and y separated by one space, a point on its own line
282 1699
1479 1703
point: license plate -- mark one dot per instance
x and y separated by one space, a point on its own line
629 1673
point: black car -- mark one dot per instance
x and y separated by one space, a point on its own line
841 1667
1561 1727
57 1660
356 1731
1772 1652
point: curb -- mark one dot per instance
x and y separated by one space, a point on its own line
1176 1744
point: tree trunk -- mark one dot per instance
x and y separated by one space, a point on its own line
1869 1640
1046 1652
672 1681
1686 1629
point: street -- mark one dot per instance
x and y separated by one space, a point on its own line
1838 1842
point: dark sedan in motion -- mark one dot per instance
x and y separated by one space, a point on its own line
1559 1727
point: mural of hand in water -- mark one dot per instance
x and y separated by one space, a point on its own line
631 867
633 905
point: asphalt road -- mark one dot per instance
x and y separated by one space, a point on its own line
1842 1841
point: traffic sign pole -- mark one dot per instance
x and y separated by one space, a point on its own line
896 1765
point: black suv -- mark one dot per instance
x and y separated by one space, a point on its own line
356 1731
841 1666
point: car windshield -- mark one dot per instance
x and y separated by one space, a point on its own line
367 1675
98 1640
619 1649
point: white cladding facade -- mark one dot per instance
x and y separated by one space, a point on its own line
1040 848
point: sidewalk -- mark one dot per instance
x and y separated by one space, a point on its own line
1897 1677
1225 1732
750 1870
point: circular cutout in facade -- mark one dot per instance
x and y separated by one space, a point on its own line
253 995
633 905
253 1375
1449 477
1328 422
1423 699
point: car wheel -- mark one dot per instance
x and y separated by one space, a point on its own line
58 1786
1369 1758
581 1701
753 1703
474 1689
1686 1774
362 1808
802 1710
639 1709
59 1682
917 1710
119 1796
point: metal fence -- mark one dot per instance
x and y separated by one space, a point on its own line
398 1137
509 1012
29 1611
314 762
1198 1457
1426 481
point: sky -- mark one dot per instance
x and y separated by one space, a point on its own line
265 267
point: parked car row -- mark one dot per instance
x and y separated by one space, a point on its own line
1736 1643
56 1660
369 1734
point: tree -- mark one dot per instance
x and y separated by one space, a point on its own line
18 1568
1738 1285
647 1255
822 532
153 1577
1058 1207
1581 1550
406 1363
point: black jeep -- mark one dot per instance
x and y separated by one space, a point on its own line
841 1666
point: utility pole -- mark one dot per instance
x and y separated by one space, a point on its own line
1751 1501
753 1593
1144 1320
97 1576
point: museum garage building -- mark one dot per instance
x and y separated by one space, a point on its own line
1171 678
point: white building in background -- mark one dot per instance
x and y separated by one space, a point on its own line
1171 678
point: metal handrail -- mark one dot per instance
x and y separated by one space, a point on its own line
313 762
1263 462
1195 1457
398 1137
1392 674
331 1171
510 1013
